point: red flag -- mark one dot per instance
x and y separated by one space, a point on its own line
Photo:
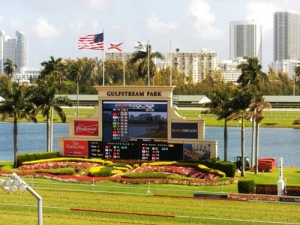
115 46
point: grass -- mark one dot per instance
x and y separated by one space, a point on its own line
283 119
60 197
16 207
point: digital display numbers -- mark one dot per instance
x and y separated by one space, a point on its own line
95 149
147 151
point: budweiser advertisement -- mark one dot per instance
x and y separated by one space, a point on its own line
86 128
76 148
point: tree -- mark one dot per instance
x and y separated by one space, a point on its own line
10 68
219 105
239 104
256 108
43 95
251 72
53 70
74 72
18 106
145 60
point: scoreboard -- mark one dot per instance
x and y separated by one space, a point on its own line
141 150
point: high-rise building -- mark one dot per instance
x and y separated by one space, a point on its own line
197 64
245 39
286 35
14 49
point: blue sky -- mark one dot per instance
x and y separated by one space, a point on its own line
54 26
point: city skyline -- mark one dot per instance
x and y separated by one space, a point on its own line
53 27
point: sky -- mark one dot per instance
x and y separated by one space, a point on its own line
54 26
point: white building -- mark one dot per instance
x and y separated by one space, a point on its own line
26 74
286 66
197 65
245 39
118 56
15 49
286 36
229 70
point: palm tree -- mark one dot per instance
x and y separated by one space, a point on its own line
53 70
220 100
10 68
75 74
252 75
18 106
256 107
146 66
239 105
251 72
43 95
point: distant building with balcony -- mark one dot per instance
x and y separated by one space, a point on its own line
229 70
197 65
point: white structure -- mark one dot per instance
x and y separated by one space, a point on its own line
118 56
286 66
245 39
197 65
229 70
26 74
14 49
286 36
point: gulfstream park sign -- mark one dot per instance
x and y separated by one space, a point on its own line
134 93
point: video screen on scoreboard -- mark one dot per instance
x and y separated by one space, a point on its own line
125 121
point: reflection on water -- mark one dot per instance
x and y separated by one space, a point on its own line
274 142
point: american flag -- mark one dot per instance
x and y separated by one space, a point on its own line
91 41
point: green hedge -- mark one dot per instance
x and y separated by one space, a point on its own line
229 168
35 156
246 186
61 171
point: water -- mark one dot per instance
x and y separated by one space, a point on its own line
273 142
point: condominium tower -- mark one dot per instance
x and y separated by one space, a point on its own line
245 39
15 49
195 64
286 35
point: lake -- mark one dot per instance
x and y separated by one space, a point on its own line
274 142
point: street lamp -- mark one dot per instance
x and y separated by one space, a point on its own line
14 183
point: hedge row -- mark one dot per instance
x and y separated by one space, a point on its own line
24 157
271 189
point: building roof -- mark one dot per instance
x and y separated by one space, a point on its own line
282 98
191 98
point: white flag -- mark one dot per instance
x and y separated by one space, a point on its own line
140 46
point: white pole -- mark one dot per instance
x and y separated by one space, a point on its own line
280 184
148 65
103 61
51 131
123 65
171 65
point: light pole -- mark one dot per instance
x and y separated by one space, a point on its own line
14 183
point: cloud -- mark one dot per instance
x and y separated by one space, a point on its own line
44 29
202 19
154 24
262 13
102 5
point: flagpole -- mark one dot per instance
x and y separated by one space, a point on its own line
148 64
103 61
171 63
123 65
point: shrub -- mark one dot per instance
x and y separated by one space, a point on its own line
35 156
145 175
61 171
246 186
104 172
